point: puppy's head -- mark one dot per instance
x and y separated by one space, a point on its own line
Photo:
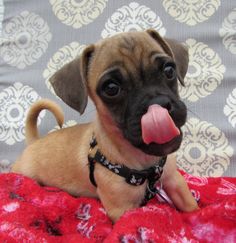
124 75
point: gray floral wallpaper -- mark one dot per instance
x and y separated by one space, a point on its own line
39 37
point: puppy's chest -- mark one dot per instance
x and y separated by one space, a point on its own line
118 179
116 185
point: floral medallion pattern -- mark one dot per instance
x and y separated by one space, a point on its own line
1 15
77 13
205 72
228 32
14 103
230 108
191 12
28 36
205 150
60 58
132 17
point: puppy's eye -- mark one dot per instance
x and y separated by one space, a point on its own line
170 71
111 88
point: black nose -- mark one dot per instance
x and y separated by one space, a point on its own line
163 101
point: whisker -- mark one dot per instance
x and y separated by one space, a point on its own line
194 113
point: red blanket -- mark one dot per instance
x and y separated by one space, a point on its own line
30 213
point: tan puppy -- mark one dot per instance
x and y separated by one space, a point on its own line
124 75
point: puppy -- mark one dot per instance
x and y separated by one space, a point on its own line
132 78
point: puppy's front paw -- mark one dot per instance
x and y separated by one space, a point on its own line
178 191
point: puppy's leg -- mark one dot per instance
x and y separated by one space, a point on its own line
176 187
115 194
178 191
116 203
113 205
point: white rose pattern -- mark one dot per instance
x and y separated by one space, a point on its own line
195 180
24 40
205 150
132 17
85 229
227 188
230 108
191 12
143 234
77 13
228 32
14 103
205 72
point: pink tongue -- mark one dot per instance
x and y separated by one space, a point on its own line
158 126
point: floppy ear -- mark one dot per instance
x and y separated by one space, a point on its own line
69 83
180 56
175 49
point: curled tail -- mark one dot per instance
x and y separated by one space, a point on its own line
31 129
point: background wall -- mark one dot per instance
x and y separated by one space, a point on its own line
39 37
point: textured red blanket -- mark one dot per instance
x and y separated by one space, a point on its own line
30 213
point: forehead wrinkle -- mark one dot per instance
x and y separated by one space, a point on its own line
134 53
114 64
142 65
127 57
127 43
134 64
128 52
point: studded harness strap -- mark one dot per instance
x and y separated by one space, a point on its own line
131 176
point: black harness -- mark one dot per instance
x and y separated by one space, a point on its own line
131 176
